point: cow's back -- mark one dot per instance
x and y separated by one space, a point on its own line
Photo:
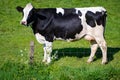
90 14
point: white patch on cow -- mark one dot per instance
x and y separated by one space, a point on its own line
40 38
59 38
98 30
92 9
26 11
80 35
45 55
89 37
60 10
48 45
70 40
47 51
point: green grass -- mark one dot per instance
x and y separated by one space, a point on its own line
71 63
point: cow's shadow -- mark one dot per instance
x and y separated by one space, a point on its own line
83 52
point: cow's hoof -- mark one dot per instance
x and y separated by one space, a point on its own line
104 62
89 60
44 61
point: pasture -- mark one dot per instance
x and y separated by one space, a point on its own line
71 62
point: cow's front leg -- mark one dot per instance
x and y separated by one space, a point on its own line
45 55
47 52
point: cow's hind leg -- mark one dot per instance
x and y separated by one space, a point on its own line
94 47
102 44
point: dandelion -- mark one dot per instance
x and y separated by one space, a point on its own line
21 54
21 51
25 49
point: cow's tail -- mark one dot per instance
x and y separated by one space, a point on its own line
104 20
104 16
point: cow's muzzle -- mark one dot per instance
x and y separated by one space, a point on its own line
23 23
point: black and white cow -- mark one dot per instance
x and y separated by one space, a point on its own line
49 24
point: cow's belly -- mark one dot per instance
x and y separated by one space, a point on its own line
68 40
75 38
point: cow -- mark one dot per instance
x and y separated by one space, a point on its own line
70 24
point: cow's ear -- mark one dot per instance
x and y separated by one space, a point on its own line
19 9
41 16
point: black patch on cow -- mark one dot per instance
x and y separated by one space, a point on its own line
98 17
69 11
79 13
66 27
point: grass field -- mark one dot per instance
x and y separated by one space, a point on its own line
71 63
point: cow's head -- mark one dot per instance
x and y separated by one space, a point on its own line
28 14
